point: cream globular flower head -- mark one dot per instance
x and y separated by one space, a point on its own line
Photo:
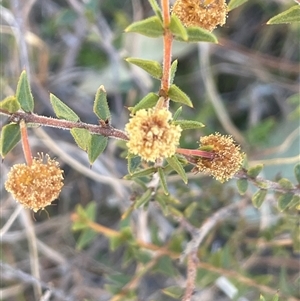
35 186
152 135
227 157
207 14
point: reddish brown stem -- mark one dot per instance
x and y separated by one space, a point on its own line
167 55
195 152
25 142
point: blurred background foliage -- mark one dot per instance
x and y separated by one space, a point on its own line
70 48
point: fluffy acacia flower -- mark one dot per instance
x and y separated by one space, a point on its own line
152 135
35 186
201 13
227 157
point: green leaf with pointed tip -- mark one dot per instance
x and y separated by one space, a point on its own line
173 71
133 163
175 211
285 200
297 172
177 166
163 181
258 197
296 237
100 107
242 185
295 202
197 34
61 110
23 93
150 27
10 104
152 67
174 292
10 136
178 95
177 113
85 238
143 199
262 298
254 171
292 15
162 202
235 3
285 183
97 145
177 28
190 209
149 101
81 137
141 173
189 124
156 8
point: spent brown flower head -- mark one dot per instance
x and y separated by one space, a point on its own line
35 186
152 134
207 14
227 158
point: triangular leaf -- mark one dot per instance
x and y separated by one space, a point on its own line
97 145
61 110
23 93
177 28
163 181
292 15
197 34
101 108
150 27
258 197
177 166
10 104
10 136
254 171
87 236
189 124
178 95
235 3
285 200
152 67
81 137
149 101
133 163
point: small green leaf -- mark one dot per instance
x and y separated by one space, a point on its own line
276 298
10 104
177 166
150 27
85 237
97 144
190 209
254 171
23 93
197 34
163 181
133 163
285 200
285 183
292 15
297 172
258 197
242 185
165 266
189 124
10 136
81 137
174 292
156 8
152 67
178 95
174 211
177 28
143 199
61 110
141 173
173 71
162 202
149 101
295 203
235 3
296 237
177 113
101 108
262 298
